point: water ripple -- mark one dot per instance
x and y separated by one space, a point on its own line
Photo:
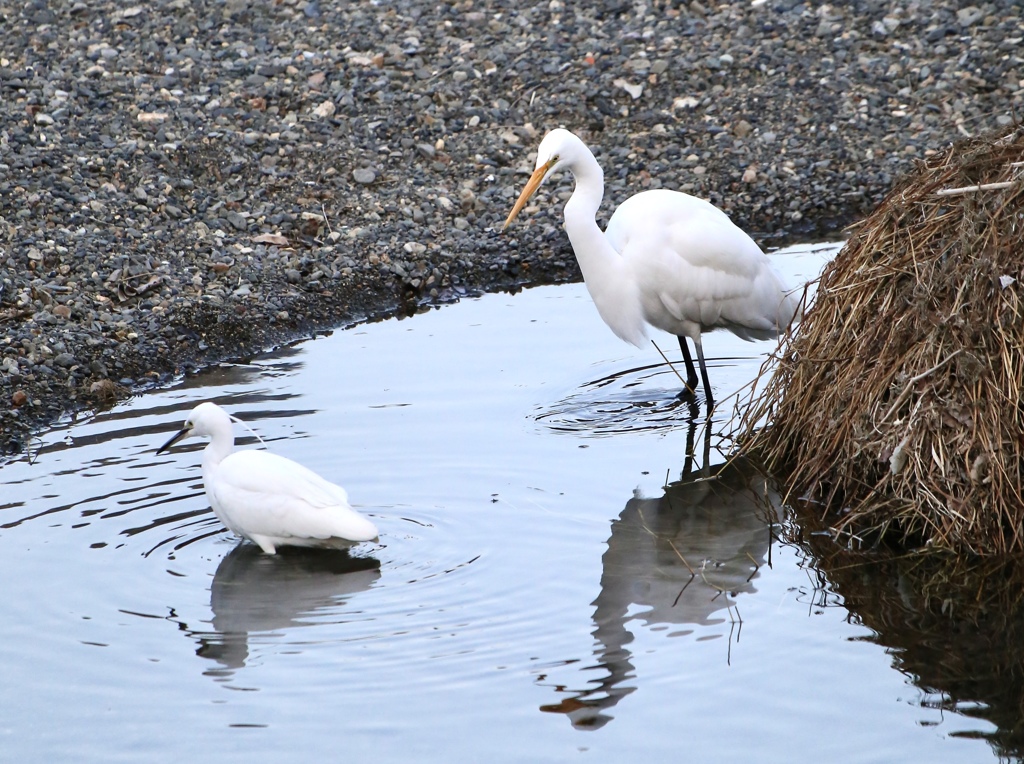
626 401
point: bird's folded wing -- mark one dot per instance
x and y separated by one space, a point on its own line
712 274
264 472
269 495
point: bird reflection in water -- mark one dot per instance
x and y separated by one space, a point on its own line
255 593
677 560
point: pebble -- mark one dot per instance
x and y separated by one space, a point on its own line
364 176
182 187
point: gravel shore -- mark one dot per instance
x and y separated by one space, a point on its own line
183 182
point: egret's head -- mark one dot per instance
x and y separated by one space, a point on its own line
558 149
205 420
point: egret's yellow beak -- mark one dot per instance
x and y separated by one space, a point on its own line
531 186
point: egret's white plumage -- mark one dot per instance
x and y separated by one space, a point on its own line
666 259
267 498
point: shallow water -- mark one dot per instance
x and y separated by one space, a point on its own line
537 593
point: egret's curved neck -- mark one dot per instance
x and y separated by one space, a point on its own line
581 209
598 261
222 443
604 270
606 273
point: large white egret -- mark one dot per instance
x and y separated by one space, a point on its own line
666 259
267 498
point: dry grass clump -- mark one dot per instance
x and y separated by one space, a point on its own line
898 402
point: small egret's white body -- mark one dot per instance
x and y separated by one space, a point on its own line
667 259
267 498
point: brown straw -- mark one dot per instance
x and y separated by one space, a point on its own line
897 404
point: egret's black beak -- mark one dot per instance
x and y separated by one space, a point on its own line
181 434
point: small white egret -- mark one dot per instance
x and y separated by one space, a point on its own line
267 498
666 259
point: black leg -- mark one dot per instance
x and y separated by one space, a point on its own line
707 443
690 433
691 373
704 376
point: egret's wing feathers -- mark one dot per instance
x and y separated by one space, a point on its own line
264 494
264 472
696 270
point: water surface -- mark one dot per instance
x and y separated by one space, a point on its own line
557 576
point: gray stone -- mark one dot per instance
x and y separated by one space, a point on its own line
364 176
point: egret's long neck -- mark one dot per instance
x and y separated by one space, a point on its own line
598 261
222 443
586 237
604 270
